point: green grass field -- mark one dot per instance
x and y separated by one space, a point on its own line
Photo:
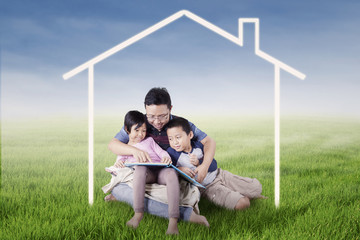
44 181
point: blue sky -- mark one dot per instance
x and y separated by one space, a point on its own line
205 73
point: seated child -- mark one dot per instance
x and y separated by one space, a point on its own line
222 187
136 128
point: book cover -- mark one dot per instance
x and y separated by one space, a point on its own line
184 175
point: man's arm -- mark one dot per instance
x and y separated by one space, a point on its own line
120 148
209 153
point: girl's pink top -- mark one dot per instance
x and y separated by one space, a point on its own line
148 145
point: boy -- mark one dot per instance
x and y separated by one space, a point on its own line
222 187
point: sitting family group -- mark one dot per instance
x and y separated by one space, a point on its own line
160 137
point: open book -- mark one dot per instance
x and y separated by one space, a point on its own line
184 175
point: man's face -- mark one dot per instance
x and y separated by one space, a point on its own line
158 115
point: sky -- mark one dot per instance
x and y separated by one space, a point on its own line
204 73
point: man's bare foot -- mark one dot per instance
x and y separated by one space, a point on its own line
173 228
242 204
196 218
109 198
135 220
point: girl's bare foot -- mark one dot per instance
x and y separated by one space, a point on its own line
135 220
195 218
172 228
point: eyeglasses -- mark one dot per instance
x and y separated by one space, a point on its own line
161 118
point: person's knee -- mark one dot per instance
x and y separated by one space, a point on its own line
140 169
140 174
170 174
170 177
242 203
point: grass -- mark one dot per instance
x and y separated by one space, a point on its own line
44 181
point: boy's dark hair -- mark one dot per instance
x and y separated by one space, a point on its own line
133 118
158 96
179 122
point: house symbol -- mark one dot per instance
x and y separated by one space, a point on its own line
278 65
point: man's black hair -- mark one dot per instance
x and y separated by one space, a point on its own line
158 96
179 122
134 118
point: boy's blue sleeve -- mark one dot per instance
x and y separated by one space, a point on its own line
198 134
122 136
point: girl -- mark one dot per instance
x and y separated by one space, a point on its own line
136 128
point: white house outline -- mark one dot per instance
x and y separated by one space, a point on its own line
237 40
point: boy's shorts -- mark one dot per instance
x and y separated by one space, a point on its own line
227 189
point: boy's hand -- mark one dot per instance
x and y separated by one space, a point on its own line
166 160
193 159
188 171
141 156
119 164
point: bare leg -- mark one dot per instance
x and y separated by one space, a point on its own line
141 176
135 220
195 218
172 227
169 178
242 203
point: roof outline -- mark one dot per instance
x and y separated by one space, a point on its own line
237 40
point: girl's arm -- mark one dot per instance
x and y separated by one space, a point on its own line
120 148
120 161
162 154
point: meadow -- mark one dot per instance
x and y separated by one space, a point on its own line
44 181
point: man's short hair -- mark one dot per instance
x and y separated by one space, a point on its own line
158 96
179 122
133 118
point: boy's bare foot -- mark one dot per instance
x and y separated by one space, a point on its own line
135 220
109 198
196 218
173 228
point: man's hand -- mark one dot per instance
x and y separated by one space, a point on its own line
166 160
188 171
141 156
193 159
119 164
201 172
